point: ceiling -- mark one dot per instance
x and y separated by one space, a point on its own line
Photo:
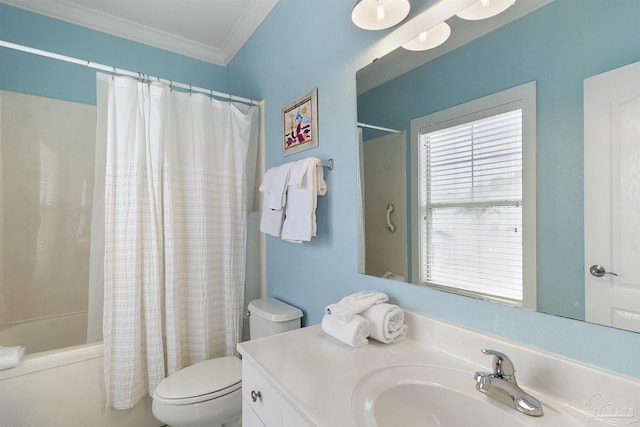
209 30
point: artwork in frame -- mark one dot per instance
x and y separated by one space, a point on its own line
300 124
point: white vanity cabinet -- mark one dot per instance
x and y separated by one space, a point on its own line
263 405
305 378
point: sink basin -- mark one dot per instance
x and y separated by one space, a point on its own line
425 396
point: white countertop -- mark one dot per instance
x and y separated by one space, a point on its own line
317 374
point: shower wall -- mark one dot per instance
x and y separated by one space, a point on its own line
46 189
385 184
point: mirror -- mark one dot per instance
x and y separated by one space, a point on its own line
558 44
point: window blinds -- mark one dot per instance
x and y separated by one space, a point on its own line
471 202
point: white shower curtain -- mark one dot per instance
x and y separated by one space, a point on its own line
175 208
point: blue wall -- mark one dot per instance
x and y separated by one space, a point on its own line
559 57
284 60
302 44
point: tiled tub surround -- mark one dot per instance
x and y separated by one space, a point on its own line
317 375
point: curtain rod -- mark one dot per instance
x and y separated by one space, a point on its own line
120 71
364 125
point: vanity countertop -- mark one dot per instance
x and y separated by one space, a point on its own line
317 374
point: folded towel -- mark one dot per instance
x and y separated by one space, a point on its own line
274 189
353 332
386 322
356 303
278 183
306 183
10 356
397 336
271 221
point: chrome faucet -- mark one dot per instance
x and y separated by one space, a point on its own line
501 385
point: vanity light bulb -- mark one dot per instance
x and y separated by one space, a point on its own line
483 9
379 14
380 11
430 39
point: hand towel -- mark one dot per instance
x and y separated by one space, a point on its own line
355 303
353 332
270 220
10 357
386 322
278 183
274 189
306 183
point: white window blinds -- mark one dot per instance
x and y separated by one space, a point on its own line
471 206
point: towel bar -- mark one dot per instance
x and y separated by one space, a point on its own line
327 164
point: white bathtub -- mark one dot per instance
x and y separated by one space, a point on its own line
64 388
45 334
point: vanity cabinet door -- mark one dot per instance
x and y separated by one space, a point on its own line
260 396
262 405
249 418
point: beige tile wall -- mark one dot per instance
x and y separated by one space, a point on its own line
47 156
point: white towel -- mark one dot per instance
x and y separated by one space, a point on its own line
274 189
271 221
306 183
356 303
386 323
279 181
353 332
10 357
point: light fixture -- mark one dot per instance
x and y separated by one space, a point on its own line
379 14
430 38
483 9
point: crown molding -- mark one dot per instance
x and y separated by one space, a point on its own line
119 27
246 26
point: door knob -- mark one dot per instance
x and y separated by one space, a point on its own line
599 271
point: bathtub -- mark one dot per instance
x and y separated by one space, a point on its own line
47 333
64 388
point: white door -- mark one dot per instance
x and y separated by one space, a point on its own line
612 197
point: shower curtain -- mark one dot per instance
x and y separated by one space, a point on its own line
175 208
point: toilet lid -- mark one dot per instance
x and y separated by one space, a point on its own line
202 381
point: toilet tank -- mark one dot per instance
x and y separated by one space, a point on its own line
269 316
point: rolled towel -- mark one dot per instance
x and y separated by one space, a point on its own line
10 357
353 332
386 323
356 303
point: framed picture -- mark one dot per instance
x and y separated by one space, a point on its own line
300 124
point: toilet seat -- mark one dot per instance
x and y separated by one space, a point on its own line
203 381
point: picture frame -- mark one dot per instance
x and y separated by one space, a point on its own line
300 124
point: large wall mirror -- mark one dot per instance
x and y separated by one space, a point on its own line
554 45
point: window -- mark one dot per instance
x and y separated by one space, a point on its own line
476 197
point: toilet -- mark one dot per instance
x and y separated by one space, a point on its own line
208 394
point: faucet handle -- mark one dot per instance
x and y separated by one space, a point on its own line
502 365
